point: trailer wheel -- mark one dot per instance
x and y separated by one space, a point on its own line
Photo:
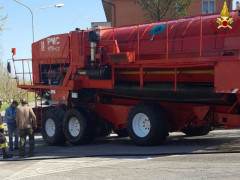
196 131
147 124
77 129
122 133
52 132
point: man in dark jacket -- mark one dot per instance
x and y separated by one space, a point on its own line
10 117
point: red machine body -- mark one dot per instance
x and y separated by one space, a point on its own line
184 65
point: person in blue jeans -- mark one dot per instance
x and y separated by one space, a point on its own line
10 117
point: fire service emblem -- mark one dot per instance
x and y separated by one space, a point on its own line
224 24
225 20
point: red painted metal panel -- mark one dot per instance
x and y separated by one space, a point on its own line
226 79
59 95
96 84
56 46
116 114
228 120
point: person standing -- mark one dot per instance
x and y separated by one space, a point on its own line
26 121
3 141
10 117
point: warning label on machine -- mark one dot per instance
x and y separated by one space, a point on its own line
158 29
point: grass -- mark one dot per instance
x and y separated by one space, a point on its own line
31 98
4 106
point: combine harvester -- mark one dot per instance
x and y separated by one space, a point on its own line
142 81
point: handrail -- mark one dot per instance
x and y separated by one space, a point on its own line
23 73
130 34
167 42
30 73
200 51
138 40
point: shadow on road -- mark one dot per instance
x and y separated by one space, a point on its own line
220 141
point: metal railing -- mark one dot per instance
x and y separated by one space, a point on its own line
24 77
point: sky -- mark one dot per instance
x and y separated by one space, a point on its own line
234 3
74 13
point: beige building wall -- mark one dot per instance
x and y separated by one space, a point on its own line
127 12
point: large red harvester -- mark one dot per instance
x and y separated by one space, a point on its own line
142 81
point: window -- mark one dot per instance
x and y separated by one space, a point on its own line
208 7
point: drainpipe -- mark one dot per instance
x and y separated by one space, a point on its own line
114 11
229 4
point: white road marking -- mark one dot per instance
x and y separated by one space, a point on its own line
56 166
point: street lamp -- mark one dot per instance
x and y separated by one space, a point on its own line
59 5
33 11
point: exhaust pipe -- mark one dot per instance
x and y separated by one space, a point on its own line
93 37
93 52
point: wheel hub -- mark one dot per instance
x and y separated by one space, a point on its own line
50 127
141 125
74 126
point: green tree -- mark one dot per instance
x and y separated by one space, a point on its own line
8 87
2 20
2 24
157 10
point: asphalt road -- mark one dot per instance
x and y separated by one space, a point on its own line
215 156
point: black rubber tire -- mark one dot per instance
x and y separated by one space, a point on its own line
86 134
196 131
57 115
122 133
158 120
